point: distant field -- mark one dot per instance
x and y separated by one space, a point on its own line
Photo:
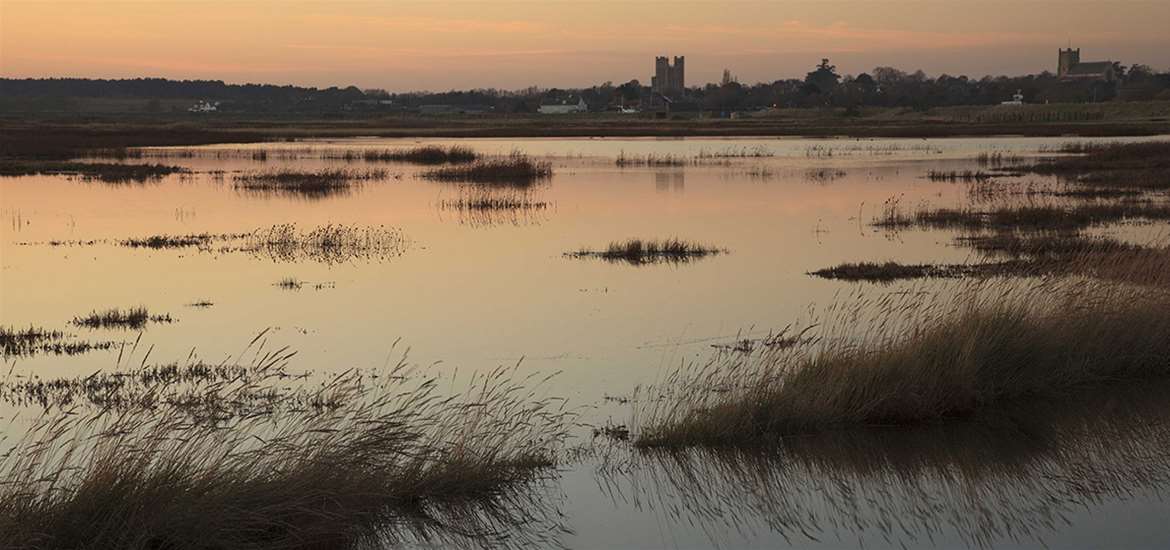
22 133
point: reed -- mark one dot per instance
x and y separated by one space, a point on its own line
424 154
132 318
514 169
312 184
382 463
919 361
89 171
639 251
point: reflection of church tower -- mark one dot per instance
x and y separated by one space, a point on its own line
1067 60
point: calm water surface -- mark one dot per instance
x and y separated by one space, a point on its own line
475 291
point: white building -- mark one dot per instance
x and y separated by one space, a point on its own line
204 107
563 107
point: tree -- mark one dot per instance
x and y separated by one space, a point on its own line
823 79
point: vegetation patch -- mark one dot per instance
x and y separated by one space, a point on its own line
921 362
133 318
650 159
1141 165
312 184
32 340
1024 217
640 252
327 244
887 272
381 463
89 171
514 169
424 154
201 240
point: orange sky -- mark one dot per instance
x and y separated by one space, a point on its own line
440 45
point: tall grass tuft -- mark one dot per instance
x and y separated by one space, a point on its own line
387 462
639 251
920 361
423 154
132 318
514 169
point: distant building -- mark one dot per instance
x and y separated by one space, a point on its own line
204 107
1017 99
669 80
1070 67
563 106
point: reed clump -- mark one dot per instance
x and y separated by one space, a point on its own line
318 183
132 318
1028 217
514 169
200 240
16 342
887 272
89 171
386 464
639 251
1142 165
650 159
920 361
326 244
423 154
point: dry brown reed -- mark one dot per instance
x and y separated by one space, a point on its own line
515 169
132 318
387 461
641 252
919 358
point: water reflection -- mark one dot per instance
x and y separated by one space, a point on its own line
1014 475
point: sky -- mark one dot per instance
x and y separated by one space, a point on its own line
434 45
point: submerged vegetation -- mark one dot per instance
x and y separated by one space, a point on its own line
132 318
311 184
638 251
514 169
378 462
22 342
328 244
423 154
920 362
89 171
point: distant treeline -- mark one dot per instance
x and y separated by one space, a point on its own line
822 87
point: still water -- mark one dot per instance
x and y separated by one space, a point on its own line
470 291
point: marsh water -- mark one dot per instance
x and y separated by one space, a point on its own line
473 289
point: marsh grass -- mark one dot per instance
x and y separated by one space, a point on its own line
917 359
310 184
640 252
1015 475
1141 165
89 171
201 240
328 244
650 159
1026 217
386 462
132 318
490 206
24 342
515 169
959 175
423 154
887 272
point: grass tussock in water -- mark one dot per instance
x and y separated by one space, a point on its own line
514 169
201 240
639 251
423 154
388 463
920 361
16 342
132 318
318 183
650 159
1028 217
886 272
1143 165
326 244
89 171
956 175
